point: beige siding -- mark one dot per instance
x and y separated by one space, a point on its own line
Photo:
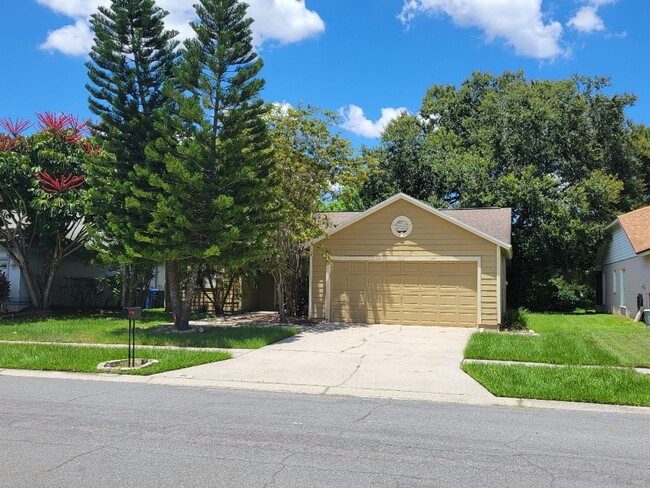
432 237
503 283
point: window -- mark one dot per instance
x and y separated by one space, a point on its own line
614 281
621 287
4 264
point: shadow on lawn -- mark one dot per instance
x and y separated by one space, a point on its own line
246 337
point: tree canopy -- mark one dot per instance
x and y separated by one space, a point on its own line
561 153
42 197
215 200
312 159
131 58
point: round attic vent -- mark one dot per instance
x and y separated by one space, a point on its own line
401 226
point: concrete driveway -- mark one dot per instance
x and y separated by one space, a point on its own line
387 361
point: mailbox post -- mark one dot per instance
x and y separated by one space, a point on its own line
132 313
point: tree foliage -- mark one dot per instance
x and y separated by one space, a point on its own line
131 58
312 160
215 199
561 153
42 197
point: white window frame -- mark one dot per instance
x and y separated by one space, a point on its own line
614 278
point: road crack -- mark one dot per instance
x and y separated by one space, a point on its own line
283 464
371 411
356 369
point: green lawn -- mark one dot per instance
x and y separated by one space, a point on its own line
111 328
86 358
570 383
602 340
572 340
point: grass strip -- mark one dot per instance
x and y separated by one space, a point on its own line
84 359
581 339
112 328
566 383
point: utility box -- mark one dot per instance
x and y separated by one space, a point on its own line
646 317
133 313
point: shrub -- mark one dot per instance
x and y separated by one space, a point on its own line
515 319
92 292
5 291
558 295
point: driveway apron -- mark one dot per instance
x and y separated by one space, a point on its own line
385 361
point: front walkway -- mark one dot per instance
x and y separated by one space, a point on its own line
387 361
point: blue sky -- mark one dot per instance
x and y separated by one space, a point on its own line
368 59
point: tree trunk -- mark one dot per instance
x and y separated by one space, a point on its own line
278 276
174 287
168 300
52 267
32 287
190 287
125 285
181 305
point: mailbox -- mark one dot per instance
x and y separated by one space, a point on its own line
133 313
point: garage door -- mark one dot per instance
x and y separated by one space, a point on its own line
404 292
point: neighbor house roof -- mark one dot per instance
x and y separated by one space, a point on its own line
334 219
493 223
636 226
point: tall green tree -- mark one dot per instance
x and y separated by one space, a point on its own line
561 153
131 58
312 161
216 200
42 197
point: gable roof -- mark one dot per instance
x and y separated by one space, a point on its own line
636 225
492 224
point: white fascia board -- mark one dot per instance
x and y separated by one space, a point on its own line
424 206
612 224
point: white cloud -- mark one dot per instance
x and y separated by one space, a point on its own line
586 20
284 21
520 23
73 40
356 121
282 107
73 8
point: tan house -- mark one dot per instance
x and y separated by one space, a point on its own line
624 264
404 262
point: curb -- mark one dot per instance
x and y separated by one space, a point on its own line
161 379
553 365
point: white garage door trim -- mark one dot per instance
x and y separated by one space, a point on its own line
439 259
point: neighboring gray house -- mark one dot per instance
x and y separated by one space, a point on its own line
19 297
624 265
71 286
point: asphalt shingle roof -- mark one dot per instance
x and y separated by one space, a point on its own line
636 225
495 222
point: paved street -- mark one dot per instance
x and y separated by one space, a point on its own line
62 432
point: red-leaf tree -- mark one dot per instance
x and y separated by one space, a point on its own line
42 196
